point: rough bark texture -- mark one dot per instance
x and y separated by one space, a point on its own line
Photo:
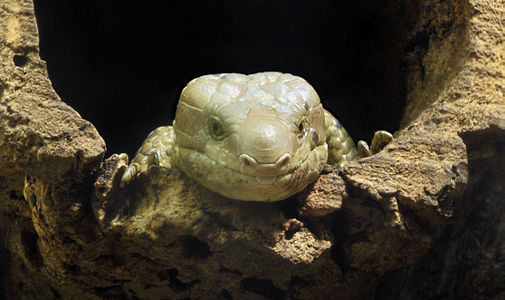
68 231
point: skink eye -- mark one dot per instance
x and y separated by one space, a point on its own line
303 125
216 127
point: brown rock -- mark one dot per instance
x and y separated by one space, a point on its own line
69 231
324 196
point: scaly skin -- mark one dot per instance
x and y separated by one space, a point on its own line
258 137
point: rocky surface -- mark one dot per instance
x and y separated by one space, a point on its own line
69 231
466 259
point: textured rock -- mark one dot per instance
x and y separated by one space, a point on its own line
48 155
466 258
69 231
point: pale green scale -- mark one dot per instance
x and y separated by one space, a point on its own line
341 148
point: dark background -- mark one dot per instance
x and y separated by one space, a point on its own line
122 66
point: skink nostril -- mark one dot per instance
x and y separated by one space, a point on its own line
283 161
246 160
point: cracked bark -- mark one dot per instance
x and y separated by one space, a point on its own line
68 230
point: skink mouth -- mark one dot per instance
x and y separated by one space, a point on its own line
264 174
266 179
269 173
234 184
282 170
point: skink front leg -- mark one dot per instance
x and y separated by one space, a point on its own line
341 148
155 151
380 139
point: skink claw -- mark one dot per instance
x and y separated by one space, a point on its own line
380 139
